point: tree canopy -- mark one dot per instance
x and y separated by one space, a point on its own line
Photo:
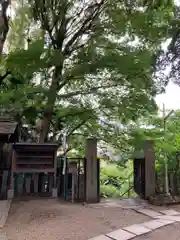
84 68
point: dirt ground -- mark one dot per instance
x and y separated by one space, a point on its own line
51 219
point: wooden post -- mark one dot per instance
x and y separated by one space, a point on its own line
54 190
11 190
73 171
73 192
36 180
4 183
129 187
20 184
28 184
50 182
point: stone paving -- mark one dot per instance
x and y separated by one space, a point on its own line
3 236
126 203
4 210
159 219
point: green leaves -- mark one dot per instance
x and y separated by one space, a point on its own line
27 61
92 60
167 142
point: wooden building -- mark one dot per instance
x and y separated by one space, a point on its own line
9 133
35 159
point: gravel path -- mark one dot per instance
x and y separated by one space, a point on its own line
52 219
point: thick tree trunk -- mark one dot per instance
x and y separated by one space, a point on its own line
45 125
4 22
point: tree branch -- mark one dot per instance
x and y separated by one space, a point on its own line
4 22
76 127
85 25
4 76
40 12
61 32
92 90
72 114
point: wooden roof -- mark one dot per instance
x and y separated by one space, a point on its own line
34 147
7 126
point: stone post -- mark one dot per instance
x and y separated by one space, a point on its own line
150 177
91 172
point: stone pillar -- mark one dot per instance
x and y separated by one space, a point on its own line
150 177
91 172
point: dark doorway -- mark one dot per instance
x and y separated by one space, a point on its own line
139 176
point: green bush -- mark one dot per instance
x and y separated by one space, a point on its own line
110 174
114 180
109 190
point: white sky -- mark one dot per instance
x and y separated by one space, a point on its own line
171 98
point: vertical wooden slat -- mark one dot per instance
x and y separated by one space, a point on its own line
98 180
84 177
12 169
55 170
35 181
4 183
58 182
50 182
47 183
81 188
171 184
43 180
78 179
73 186
20 183
28 184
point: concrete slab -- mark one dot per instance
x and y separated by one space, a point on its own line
54 193
155 224
4 211
125 203
120 234
100 237
167 221
3 236
137 229
10 193
148 212
171 218
170 212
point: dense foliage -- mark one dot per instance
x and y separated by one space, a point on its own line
81 67
90 69
166 145
117 181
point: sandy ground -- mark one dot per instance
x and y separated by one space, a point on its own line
52 219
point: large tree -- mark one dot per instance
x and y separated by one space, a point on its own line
85 62
4 22
4 28
168 59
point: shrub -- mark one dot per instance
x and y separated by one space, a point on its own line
114 180
109 191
